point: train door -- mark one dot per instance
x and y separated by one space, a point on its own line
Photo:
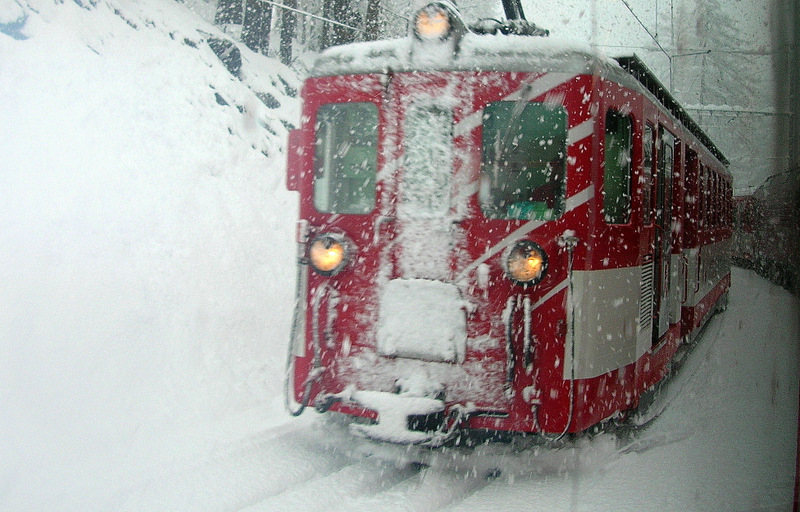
663 234
690 220
418 256
647 247
339 205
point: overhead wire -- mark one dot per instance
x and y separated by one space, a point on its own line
654 38
310 15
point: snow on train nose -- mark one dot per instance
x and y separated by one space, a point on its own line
422 319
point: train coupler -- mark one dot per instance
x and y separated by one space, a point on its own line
402 419
408 420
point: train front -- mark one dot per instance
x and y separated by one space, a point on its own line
444 191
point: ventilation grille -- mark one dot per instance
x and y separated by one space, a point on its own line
646 294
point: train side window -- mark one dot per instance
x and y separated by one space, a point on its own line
724 200
647 175
706 198
715 199
617 181
524 161
345 158
710 195
729 203
701 192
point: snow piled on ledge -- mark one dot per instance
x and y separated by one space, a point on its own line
477 52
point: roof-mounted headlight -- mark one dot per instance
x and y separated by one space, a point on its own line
432 22
437 21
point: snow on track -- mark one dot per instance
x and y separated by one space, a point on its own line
722 440
254 470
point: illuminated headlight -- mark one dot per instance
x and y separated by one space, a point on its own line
433 22
525 262
329 253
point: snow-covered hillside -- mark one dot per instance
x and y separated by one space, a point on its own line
146 286
146 269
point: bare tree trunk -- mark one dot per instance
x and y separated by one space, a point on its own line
327 28
256 25
340 11
228 12
371 26
287 31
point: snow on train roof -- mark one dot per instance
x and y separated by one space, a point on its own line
504 53
484 52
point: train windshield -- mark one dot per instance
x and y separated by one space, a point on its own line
345 158
524 160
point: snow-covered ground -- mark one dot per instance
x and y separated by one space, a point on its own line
146 288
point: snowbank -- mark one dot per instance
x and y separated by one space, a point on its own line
145 237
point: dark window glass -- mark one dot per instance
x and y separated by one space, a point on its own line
617 182
647 175
704 220
345 158
714 199
524 161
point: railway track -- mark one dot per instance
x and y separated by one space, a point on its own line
315 464
318 466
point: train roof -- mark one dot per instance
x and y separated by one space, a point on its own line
475 52
634 65
505 53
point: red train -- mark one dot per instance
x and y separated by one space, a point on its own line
498 232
